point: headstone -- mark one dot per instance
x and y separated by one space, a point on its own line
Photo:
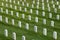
19 24
0 18
6 0
36 19
23 16
42 0
55 10
57 17
15 7
35 29
14 2
18 2
29 17
45 31
10 5
23 37
37 12
57 2
27 4
2 10
32 5
43 13
10 1
33 1
49 9
6 5
55 35
27 26
6 19
53 5
17 14
50 15
52 23
12 13
25 9
31 11
44 21
12 21
2 4
37 6
43 6
6 11
14 36
6 32
22 3
20 8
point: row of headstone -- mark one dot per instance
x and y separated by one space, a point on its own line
14 37
19 22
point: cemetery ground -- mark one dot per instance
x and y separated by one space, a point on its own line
29 20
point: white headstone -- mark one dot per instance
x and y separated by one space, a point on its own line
37 12
27 4
35 28
27 26
14 2
0 18
2 10
43 13
6 0
31 11
6 32
50 15
17 14
44 21
14 36
55 10
6 11
23 16
42 0
45 31
10 1
6 19
22 3
33 1
2 4
32 5
53 5
15 7
23 37
55 35
12 21
36 19
20 8
12 13
18 2
57 2
29 17
25 9
10 5
6 5
57 17
37 6
52 23
19 24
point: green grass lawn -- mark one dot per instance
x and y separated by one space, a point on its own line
30 34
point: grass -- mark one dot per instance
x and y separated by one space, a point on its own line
30 34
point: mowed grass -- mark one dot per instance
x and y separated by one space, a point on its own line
30 34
